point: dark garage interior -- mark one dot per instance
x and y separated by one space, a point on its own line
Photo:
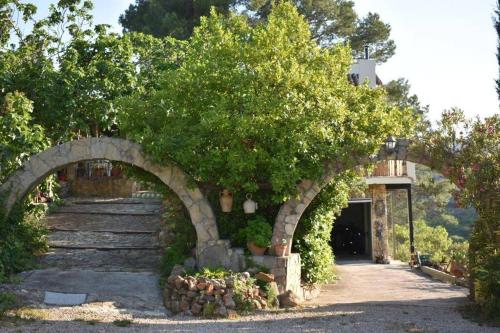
351 237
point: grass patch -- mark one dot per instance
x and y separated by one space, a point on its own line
122 322
31 313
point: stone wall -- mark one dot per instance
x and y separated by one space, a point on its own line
104 187
286 271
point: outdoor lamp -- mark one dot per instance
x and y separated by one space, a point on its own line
390 144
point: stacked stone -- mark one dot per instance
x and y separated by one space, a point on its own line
205 296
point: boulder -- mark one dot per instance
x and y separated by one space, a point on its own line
179 282
191 284
229 301
232 314
288 299
221 311
229 282
264 277
184 305
209 289
178 270
196 308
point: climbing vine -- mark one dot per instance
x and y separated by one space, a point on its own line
313 233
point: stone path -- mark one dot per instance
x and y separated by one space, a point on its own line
367 298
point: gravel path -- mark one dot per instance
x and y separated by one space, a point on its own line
367 298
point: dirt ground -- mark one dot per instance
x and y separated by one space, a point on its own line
366 298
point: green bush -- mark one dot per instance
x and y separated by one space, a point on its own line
428 240
21 236
214 273
7 302
259 232
177 220
314 230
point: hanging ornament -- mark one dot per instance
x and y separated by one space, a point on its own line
250 206
226 201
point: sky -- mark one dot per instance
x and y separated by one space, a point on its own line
445 48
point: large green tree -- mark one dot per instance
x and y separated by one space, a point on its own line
72 70
260 106
175 18
334 21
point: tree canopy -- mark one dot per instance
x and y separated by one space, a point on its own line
260 104
74 71
175 18
330 21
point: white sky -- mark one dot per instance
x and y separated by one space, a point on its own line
445 48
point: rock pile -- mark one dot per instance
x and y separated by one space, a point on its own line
216 297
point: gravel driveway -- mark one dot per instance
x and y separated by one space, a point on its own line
367 298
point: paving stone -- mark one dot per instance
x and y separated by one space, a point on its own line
96 222
64 299
102 240
102 260
113 209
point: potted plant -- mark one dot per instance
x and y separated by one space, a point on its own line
258 235
280 249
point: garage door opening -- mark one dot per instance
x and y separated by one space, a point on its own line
351 235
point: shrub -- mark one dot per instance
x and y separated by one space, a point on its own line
259 232
428 240
21 236
314 230
7 302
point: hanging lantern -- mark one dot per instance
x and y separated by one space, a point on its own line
250 206
226 201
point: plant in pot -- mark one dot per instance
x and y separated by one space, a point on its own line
258 235
280 248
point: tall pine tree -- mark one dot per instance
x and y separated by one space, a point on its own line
330 21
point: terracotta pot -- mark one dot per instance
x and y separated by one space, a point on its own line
280 250
226 201
255 250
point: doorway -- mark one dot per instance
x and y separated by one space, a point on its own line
351 234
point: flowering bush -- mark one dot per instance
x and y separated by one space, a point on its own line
468 152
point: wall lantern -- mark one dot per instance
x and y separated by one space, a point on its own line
390 144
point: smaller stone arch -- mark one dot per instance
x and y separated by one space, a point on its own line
291 211
38 166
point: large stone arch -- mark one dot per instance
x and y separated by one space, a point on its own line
291 211
38 166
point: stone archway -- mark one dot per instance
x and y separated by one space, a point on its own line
291 211
38 166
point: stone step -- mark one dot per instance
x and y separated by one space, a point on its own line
120 260
102 240
95 222
119 201
110 209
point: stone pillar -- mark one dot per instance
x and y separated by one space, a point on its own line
380 232
286 271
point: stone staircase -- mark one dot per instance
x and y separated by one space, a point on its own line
104 235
